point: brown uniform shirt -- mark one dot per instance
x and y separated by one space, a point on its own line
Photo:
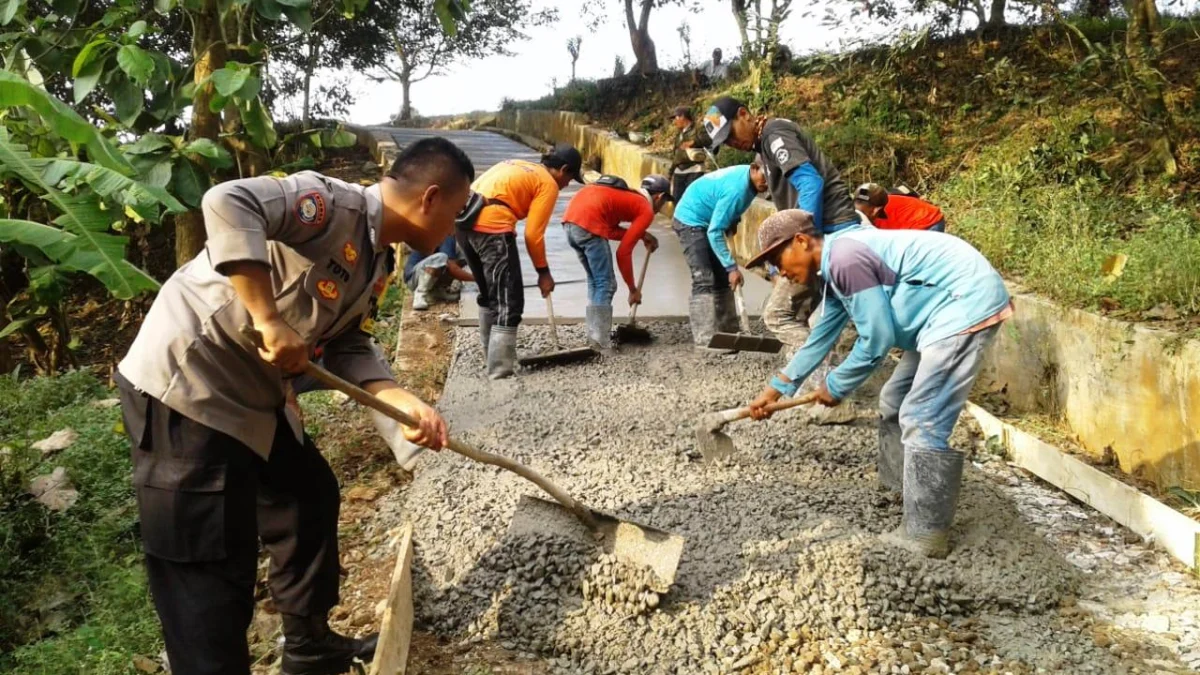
320 238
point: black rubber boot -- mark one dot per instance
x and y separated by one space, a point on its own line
890 463
932 481
311 648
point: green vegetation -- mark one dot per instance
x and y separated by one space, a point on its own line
1034 140
73 594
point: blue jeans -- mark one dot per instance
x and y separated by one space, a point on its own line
929 388
939 226
596 258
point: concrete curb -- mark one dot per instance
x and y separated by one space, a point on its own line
1145 515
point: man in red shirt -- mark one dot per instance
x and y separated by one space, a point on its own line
594 217
897 211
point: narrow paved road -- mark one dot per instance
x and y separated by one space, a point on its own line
667 281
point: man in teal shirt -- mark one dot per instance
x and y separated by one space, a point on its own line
928 293
709 212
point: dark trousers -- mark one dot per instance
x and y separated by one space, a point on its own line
204 501
496 266
680 183
708 274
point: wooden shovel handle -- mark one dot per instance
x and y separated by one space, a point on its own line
641 282
740 300
553 324
369 400
742 413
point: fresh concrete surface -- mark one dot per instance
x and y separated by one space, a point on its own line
668 281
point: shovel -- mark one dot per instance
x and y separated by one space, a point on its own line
631 333
559 355
744 341
638 545
715 444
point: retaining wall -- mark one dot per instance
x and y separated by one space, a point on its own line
1127 392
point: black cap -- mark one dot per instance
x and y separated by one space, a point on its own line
567 156
684 112
657 184
718 121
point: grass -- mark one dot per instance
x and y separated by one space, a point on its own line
73 595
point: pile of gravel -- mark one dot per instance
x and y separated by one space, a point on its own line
783 569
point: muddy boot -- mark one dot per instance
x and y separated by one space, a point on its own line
421 295
890 463
487 319
702 315
932 481
599 328
502 352
727 316
311 648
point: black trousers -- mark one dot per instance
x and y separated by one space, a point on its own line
204 501
708 274
496 266
680 183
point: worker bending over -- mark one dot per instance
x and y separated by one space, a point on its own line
897 211
709 212
594 217
218 461
512 191
437 277
930 294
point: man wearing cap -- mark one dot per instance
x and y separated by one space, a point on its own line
593 218
800 176
688 162
898 211
709 212
513 190
928 293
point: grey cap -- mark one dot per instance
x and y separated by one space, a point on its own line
657 184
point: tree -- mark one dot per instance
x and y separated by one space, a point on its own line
759 31
1143 45
685 41
573 49
418 48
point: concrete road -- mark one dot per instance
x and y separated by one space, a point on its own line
668 281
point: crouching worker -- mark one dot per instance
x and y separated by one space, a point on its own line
930 294
898 210
219 462
594 217
437 277
709 212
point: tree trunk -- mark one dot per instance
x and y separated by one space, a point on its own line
208 47
639 37
996 16
309 66
1098 9
572 71
743 24
1143 44
405 99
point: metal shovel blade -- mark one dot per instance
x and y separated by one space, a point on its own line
559 357
745 342
631 543
713 445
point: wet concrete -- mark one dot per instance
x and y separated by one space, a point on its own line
667 281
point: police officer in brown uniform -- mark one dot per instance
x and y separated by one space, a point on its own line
219 462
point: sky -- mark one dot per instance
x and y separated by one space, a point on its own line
527 74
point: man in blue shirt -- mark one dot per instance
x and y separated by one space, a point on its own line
928 293
709 212
433 277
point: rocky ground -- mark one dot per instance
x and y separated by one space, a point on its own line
783 569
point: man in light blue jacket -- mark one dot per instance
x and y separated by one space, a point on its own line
928 293
710 211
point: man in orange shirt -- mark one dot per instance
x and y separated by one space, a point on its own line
513 190
594 217
897 211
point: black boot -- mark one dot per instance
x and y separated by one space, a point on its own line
311 648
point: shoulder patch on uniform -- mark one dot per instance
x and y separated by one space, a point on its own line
328 289
776 144
350 253
779 150
310 209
